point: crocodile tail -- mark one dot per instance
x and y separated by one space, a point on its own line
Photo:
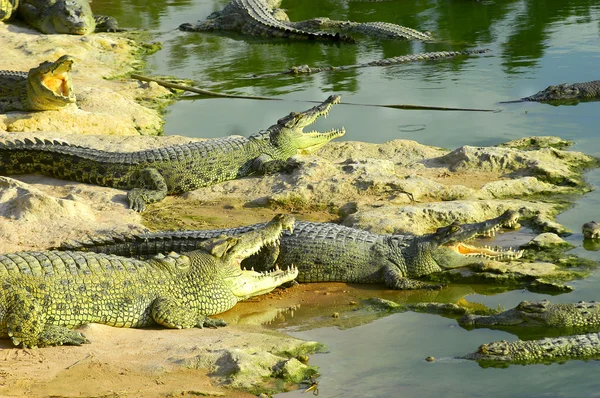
58 159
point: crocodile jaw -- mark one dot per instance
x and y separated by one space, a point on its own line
49 85
250 283
290 127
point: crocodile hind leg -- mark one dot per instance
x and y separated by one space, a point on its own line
171 314
151 188
26 322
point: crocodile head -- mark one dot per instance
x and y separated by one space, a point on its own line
525 313
552 93
288 137
49 85
232 250
73 17
591 230
447 248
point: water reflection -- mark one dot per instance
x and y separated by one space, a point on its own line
516 30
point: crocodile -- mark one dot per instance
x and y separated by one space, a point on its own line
570 93
152 174
45 294
256 18
45 87
325 252
58 16
540 314
402 59
381 30
591 230
547 350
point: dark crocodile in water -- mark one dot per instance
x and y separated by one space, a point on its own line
43 295
45 87
402 59
57 16
325 252
573 316
566 93
152 174
546 350
256 18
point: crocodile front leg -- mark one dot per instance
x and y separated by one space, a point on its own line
394 279
150 186
26 323
264 165
171 314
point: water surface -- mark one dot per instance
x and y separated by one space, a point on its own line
533 43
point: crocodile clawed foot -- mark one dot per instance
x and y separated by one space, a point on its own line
58 335
211 323
439 286
136 202
291 164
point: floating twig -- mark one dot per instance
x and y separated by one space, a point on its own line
261 98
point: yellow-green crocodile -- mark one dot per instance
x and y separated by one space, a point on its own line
43 295
45 87
152 174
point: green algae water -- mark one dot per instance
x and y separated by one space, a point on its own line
533 44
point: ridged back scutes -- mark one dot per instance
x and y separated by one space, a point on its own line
13 73
591 89
259 12
173 153
423 57
48 263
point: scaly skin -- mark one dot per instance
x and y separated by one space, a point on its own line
256 18
8 9
540 313
63 16
305 69
333 253
547 350
380 30
565 93
591 230
45 87
45 294
152 174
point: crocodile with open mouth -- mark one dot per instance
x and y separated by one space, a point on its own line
45 87
44 294
152 174
325 252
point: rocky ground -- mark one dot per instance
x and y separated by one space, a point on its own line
397 187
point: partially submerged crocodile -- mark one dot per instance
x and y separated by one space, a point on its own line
591 230
256 18
57 16
402 59
546 350
45 87
381 30
540 314
326 252
566 92
152 174
45 294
